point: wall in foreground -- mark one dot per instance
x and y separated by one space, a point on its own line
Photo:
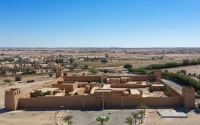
89 102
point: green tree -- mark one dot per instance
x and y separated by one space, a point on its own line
199 77
105 70
72 60
127 66
86 66
183 71
68 119
129 121
94 71
194 75
138 71
4 71
55 69
186 62
141 112
50 74
198 93
166 90
183 80
135 116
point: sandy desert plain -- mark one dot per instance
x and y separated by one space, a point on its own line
117 58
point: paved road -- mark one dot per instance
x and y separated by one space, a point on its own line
175 85
117 117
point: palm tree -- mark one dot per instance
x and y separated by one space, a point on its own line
135 116
141 112
143 106
129 121
68 119
101 120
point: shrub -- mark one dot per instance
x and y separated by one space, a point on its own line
186 62
105 70
18 78
76 93
83 74
161 66
28 70
7 80
94 71
65 74
166 90
104 60
99 81
50 74
127 66
67 91
4 71
89 81
40 93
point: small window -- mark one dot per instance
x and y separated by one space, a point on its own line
96 98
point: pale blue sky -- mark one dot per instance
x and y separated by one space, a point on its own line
99 23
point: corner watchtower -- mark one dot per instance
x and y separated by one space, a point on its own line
11 98
157 73
188 97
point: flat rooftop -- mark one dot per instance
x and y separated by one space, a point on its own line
46 89
134 91
103 90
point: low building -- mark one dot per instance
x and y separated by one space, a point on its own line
53 65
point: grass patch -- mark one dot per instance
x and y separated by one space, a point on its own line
105 120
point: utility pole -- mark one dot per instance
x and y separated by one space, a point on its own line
83 100
122 102
62 113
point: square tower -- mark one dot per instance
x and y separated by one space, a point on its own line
188 94
157 73
11 98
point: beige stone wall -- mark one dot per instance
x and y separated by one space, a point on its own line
96 78
128 86
76 102
114 80
188 97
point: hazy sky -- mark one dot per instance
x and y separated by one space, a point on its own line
99 23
